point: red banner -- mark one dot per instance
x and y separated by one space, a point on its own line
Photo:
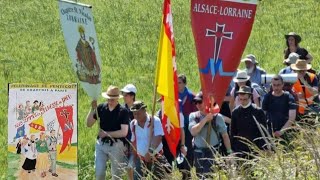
221 29
65 119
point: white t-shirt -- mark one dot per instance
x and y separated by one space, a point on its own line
143 135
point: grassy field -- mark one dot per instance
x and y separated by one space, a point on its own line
33 50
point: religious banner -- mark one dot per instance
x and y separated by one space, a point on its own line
221 29
37 130
82 45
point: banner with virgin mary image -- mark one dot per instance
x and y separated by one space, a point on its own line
42 131
82 44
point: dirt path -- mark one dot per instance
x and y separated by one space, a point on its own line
63 173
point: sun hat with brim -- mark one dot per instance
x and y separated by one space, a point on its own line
292 58
137 105
129 88
295 35
301 65
112 92
241 76
250 58
244 90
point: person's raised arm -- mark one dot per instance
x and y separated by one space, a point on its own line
90 117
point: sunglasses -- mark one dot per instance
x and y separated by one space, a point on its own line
198 102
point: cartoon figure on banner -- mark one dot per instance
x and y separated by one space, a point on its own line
52 142
20 112
28 108
42 159
88 69
30 154
18 147
35 106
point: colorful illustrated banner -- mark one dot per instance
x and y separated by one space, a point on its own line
221 29
42 131
82 45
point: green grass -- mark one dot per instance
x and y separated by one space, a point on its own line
33 49
14 163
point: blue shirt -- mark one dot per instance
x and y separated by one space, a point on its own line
255 76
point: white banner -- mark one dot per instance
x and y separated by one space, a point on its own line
82 44
38 115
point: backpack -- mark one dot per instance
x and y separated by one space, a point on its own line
262 91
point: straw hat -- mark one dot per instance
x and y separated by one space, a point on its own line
300 65
241 76
112 92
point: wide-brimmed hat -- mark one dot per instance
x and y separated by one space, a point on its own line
301 65
244 90
295 35
250 58
137 105
129 88
292 58
112 92
241 76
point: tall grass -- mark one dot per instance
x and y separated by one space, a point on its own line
33 50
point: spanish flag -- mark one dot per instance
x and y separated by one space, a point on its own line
166 80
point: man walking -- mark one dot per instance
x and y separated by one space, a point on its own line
52 142
114 124
245 122
206 137
279 106
147 157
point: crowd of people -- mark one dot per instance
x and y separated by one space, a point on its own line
251 110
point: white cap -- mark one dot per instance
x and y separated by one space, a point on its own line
129 88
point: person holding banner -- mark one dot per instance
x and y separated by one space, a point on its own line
207 140
114 124
146 157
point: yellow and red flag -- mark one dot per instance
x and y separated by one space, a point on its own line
166 80
37 125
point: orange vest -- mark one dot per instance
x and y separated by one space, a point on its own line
307 98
